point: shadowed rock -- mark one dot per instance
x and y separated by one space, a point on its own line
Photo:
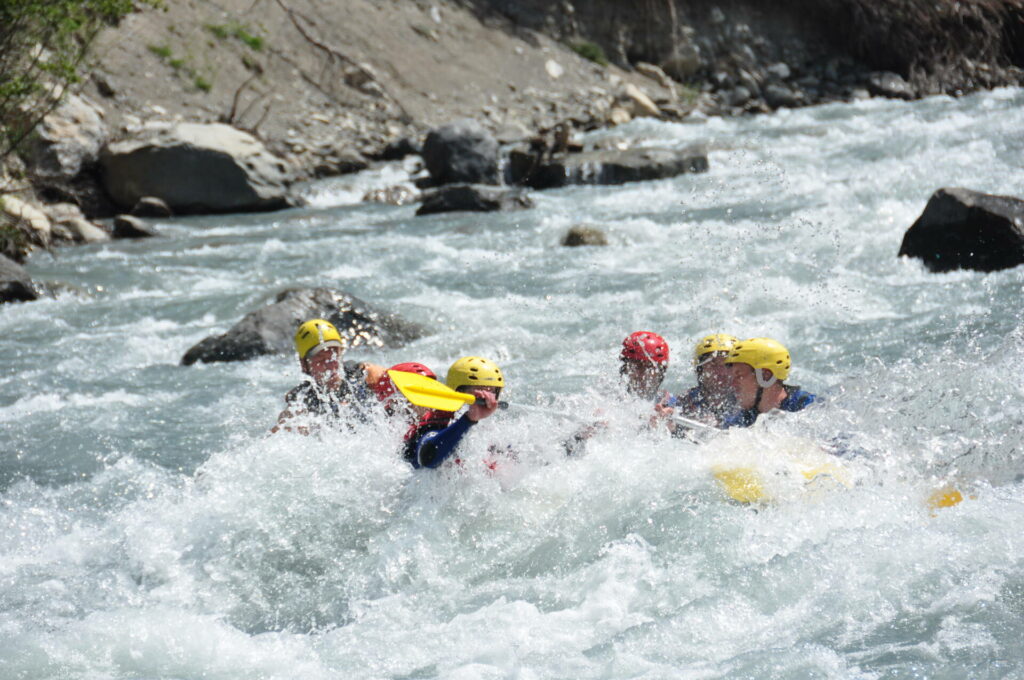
15 283
964 229
473 197
605 166
127 226
461 152
271 329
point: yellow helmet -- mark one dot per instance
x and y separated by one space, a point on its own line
316 333
474 371
709 344
761 353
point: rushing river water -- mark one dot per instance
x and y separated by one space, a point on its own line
150 529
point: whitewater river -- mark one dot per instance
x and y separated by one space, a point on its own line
149 528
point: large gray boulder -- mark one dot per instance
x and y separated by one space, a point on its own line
271 329
15 283
461 152
197 168
69 139
473 198
605 166
965 229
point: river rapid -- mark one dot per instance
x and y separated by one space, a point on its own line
149 527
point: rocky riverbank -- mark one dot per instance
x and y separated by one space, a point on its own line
262 93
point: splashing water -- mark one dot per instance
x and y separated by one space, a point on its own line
150 528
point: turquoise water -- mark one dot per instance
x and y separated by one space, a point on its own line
150 529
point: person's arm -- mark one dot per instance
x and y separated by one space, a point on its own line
435 447
292 409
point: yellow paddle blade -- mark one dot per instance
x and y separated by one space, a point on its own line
945 497
741 484
429 393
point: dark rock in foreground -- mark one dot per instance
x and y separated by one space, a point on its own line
15 283
271 330
461 152
605 166
964 229
197 168
473 197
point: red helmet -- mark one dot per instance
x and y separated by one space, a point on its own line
385 388
645 346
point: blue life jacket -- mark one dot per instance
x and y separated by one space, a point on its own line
796 399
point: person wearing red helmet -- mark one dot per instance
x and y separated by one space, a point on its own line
386 391
644 360
420 420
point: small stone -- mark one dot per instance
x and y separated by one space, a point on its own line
641 104
554 69
892 85
151 206
779 70
619 116
779 96
84 231
739 96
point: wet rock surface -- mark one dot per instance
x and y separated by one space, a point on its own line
129 226
607 166
271 329
965 229
583 235
473 197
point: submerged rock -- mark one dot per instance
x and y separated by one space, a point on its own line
399 194
583 235
965 229
197 168
271 329
461 152
474 198
605 166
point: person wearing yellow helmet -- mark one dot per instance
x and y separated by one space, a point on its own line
434 442
331 386
758 368
712 398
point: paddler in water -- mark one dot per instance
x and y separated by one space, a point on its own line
420 419
757 369
332 391
431 443
643 361
712 398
